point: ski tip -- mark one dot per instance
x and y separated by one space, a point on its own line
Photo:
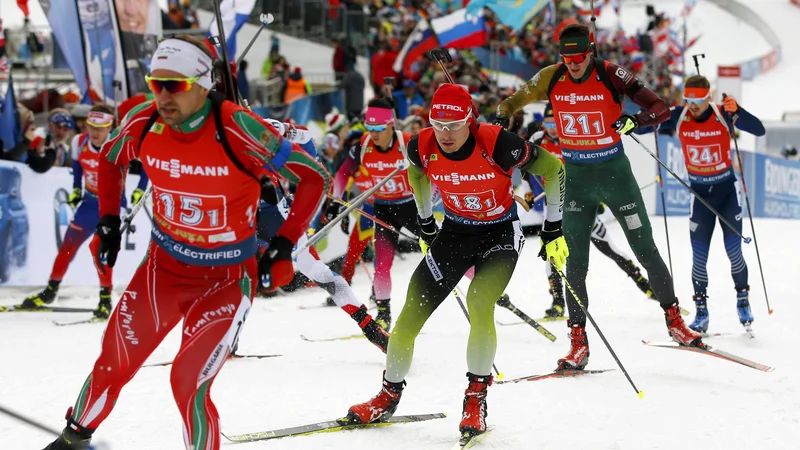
640 394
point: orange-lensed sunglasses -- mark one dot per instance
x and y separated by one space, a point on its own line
577 59
172 85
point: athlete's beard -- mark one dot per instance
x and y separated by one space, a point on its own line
171 114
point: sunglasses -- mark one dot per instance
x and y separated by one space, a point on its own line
577 59
449 126
549 124
376 128
171 85
695 101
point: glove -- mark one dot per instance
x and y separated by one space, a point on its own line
108 233
626 124
275 267
529 199
428 231
503 121
601 208
345 224
729 104
75 197
331 212
554 246
136 196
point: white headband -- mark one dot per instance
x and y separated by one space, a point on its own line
185 58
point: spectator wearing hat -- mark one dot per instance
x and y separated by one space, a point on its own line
406 98
60 128
295 86
79 115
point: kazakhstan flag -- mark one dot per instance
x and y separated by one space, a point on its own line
513 13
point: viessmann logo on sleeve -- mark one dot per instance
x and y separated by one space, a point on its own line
176 169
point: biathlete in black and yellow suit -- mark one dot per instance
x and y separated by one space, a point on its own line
586 94
471 166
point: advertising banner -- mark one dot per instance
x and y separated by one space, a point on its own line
139 28
34 215
101 47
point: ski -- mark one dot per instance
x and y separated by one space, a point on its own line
469 440
506 303
711 351
57 309
339 338
167 363
553 374
710 335
327 427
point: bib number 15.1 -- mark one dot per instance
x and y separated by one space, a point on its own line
193 211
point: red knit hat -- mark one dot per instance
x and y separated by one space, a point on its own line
451 102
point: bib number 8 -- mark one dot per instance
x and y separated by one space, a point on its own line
583 124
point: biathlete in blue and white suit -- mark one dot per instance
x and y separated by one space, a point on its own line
704 130
272 215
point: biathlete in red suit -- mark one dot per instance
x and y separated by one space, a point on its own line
471 165
378 154
200 266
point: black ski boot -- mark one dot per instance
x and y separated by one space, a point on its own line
373 332
73 437
104 307
46 297
556 310
384 317
641 281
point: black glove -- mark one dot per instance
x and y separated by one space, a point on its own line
108 231
331 211
345 224
601 208
428 229
503 121
626 124
549 233
275 267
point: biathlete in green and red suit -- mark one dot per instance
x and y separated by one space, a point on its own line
586 94
471 165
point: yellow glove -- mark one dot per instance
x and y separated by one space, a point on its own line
136 197
428 231
75 197
554 246
626 124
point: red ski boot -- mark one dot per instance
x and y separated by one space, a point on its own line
678 330
374 333
578 356
380 407
473 418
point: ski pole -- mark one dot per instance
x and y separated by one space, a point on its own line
500 375
374 219
353 205
366 269
599 333
506 303
126 224
749 212
265 19
692 191
42 427
664 209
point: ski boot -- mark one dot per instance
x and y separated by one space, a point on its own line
701 319
380 407
384 317
46 297
373 332
104 307
556 310
73 437
330 301
641 281
578 356
743 308
678 330
473 417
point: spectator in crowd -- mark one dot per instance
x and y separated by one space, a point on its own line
413 125
79 115
61 128
32 148
406 98
295 87
241 80
353 85
275 45
339 62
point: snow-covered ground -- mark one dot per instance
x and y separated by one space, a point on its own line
692 401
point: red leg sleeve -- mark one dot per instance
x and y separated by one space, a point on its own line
145 314
211 329
355 248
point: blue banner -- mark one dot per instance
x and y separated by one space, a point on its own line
773 183
524 70
64 20
304 110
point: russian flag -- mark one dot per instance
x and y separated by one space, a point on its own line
419 42
460 30
234 14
